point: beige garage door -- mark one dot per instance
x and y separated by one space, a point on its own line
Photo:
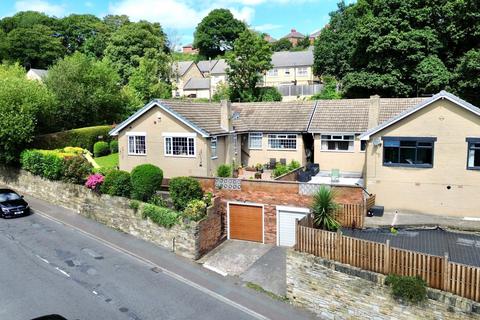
245 222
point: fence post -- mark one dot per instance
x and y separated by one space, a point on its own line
297 236
338 246
446 273
386 261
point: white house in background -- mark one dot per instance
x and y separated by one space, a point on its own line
37 74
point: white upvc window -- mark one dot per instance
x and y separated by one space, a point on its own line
273 72
213 147
282 141
255 140
179 144
302 71
137 143
287 71
338 142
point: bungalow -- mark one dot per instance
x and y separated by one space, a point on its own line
415 154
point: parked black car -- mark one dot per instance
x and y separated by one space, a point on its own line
12 204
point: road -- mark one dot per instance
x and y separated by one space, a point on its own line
83 270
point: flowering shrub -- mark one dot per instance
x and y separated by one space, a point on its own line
94 181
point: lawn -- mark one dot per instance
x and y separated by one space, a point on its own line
110 161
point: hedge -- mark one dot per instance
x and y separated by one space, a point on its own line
114 146
146 180
81 137
161 216
117 183
100 149
183 190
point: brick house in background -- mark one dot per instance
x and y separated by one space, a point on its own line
188 48
294 36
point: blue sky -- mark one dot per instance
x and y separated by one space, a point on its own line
179 17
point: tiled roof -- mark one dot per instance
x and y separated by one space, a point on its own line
272 116
294 34
392 107
205 116
346 115
197 84
294 58
220 67
180 67
206 66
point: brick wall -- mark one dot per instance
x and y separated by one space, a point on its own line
210 230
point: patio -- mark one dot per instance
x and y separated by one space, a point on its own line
343 178
266 175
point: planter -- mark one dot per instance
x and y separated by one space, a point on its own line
258 175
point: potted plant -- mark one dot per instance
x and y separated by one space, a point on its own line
258 175
240 171
259 167
324 208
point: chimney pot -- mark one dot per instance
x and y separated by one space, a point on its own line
293 30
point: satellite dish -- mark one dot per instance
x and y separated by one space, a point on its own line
377 142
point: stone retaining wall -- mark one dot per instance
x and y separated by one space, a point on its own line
115 212
337 291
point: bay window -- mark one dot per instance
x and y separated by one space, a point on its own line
408 152
282 141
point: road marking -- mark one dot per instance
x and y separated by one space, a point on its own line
152 264
44 260
95 292
62 271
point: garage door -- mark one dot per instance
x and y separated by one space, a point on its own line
286 218
245 222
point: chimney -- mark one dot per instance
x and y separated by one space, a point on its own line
226 115
373 111
293 30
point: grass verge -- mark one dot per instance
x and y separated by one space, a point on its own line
272 295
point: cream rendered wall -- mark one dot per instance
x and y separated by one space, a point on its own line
426 190
345 161
284 78
204 94
154 123
192 72
263 155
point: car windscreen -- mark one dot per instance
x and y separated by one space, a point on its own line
9 196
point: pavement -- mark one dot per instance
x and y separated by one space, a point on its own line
56 261
262 264
407 219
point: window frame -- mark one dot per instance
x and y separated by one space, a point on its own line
337 134
213 141
134 135
188 136
470 142
277 137
287 71
431 140
272 72
301 74
259 135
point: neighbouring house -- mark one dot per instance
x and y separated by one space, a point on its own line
294 36
415 154
188 48
269 38
197 88
181 73
314 36
37 74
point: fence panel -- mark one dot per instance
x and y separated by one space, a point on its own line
464 280
363 254
351 215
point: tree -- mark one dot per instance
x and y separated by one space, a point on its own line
247 62
467 77
77 29
282 45
36 47
217 32
87 92
115 22
131 42
27 19
23 104
3 45
329 90
303 43
432 76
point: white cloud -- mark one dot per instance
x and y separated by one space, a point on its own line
41 6
178 14
267 27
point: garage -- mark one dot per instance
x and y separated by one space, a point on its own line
286 219
245 222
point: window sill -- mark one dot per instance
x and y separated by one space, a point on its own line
414 166
214 158
137 154
271 149
255 148
473 168
179 156
338 151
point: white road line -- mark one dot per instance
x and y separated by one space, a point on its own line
44 260
94 292
62 271
152 264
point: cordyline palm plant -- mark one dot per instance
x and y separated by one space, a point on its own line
324 208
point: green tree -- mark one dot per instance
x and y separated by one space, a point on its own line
329 90
23 104
36 47
26 19
3 45
217 32
431 75
467 77
282 45
77 29
303 43
247 62
87 91
115 22
131 42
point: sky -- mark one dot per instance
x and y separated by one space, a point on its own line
180 17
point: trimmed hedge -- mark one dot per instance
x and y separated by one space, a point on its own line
146 180
162 216
117 183
100 149
114 146
183 190
81 137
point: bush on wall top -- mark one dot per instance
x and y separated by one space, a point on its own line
82 137
117 183
100 149
183 190
161 216
146 180
408 289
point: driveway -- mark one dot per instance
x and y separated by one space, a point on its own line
262 264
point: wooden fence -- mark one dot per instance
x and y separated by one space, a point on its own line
438 272
351 215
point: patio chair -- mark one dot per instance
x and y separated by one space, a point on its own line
304 176
283 161
272 164
313 168
335 175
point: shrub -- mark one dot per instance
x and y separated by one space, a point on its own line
114 146
146 180
183 190
280 170
52 167
117 183
224 171
158 200
81 137
100 149
293 165
48 165
410 289
196 210
94 181
207 198
269 94
76 170
324 208
32 161
161 216
134 205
